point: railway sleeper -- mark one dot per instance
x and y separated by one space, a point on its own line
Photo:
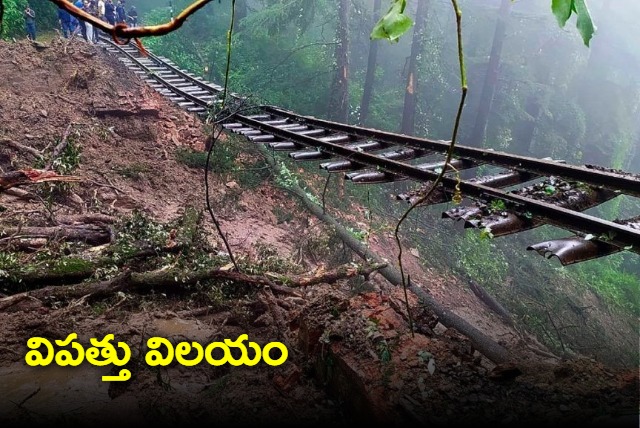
503 179
500 220
266 138
581 247
347 165
376 177
319 154
284 146
574 249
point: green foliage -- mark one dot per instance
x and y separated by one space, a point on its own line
12 19
497 205
9 263
65 164
480 258
279 17
563 9
614 282
137 231
266 260
393 24
70 265
192 158
69 159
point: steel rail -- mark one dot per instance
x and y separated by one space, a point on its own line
622 236
626 184
617 234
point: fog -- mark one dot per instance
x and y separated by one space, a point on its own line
552 95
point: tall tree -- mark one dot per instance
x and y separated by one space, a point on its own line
371 69
491 78
417 46
240 13
339 100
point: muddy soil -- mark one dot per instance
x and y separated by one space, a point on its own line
352 356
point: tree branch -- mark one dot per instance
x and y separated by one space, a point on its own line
122 31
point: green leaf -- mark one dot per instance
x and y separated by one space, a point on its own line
394 24
585 24
562 9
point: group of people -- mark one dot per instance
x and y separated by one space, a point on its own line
116 13
105 10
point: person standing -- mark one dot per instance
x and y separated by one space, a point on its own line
30 22
81 24
133 16
89 27
121 15
101 9
65 22
109 12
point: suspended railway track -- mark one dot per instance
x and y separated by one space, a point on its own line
520 193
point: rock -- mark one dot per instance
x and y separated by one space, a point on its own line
439 329
232 185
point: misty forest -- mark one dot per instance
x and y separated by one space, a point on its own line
537 85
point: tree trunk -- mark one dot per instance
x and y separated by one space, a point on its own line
88 233
417 44
371 70
339 99
483 343
240 13
491 78
525 129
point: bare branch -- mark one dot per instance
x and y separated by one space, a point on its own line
124 32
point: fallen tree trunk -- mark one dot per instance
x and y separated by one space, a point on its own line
31 176
70 270
173 278
89 233
491 303
162 278
483 343
320 277
85 218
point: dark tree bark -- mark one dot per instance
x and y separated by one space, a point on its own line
525 129
339 99
371 70
240 13
417 46
491 78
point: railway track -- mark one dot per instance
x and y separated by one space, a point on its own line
519 192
